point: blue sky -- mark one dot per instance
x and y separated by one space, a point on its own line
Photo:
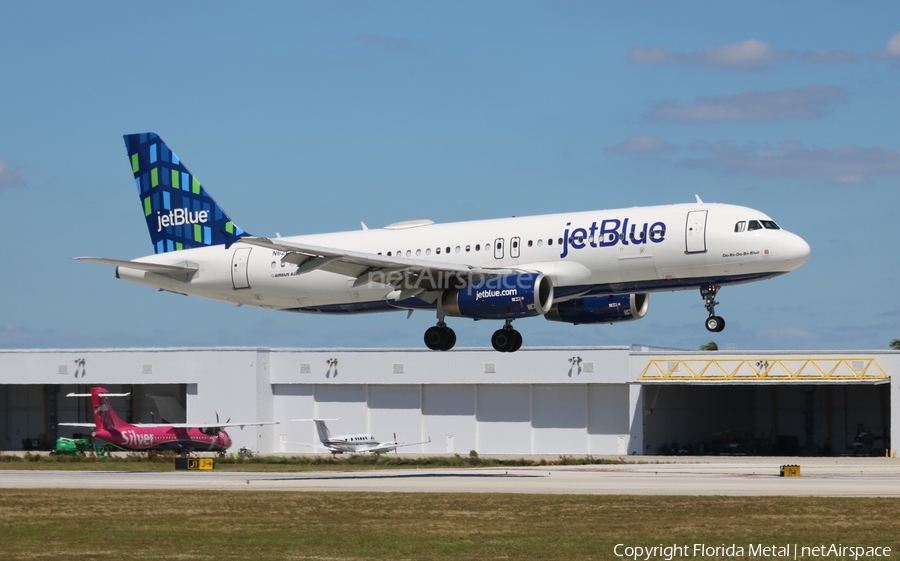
311 117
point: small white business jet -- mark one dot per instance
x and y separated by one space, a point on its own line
352 443
585 267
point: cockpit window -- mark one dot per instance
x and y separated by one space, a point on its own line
770 225
754 225
740 226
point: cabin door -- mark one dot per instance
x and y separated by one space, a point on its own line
695 232
240 277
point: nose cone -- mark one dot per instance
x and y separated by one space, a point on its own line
796 251
224 440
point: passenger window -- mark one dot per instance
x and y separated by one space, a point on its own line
550 241
437 250
448 249
769 225
389 253
740 226
529 243
754 225
428 251
418 252
457 249
408 253
560 241
478 247
468 248
540 243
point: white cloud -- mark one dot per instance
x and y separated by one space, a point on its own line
642 145
893 45
10 177
747 54
850 179
744 53
810 102
650 55
844 165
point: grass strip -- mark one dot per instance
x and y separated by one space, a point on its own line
165 461
207 525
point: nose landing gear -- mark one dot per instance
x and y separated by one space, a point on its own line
714 323
506 339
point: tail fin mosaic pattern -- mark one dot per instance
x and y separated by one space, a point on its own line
180 213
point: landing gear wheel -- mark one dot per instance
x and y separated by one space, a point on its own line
715 324
440 338
450 340
501 339
517 343
433 338
506 340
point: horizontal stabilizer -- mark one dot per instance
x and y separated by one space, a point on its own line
205 426
99 395
141 266
87 425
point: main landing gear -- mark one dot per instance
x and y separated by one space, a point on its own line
506 339
714 323
440 337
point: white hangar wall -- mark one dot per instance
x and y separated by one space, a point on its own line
614 400
541 401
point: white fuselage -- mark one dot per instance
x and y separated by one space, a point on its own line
350 443
621 251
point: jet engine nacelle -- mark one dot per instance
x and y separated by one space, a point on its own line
511 296
601 309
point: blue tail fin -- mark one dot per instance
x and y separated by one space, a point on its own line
180 213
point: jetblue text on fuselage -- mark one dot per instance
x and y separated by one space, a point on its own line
610 232
180 216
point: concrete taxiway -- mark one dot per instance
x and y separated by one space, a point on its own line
849 477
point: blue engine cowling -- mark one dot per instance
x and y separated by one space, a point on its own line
513 296
601 309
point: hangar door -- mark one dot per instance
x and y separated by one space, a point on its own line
827 419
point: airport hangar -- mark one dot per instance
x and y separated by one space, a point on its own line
576 400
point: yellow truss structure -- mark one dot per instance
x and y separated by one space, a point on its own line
762 369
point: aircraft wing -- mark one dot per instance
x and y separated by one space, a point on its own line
388 446
366 267
310 444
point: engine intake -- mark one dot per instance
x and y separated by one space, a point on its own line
601 309
503 297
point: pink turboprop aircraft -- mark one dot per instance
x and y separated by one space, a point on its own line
181 437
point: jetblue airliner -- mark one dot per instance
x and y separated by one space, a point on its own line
583 267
